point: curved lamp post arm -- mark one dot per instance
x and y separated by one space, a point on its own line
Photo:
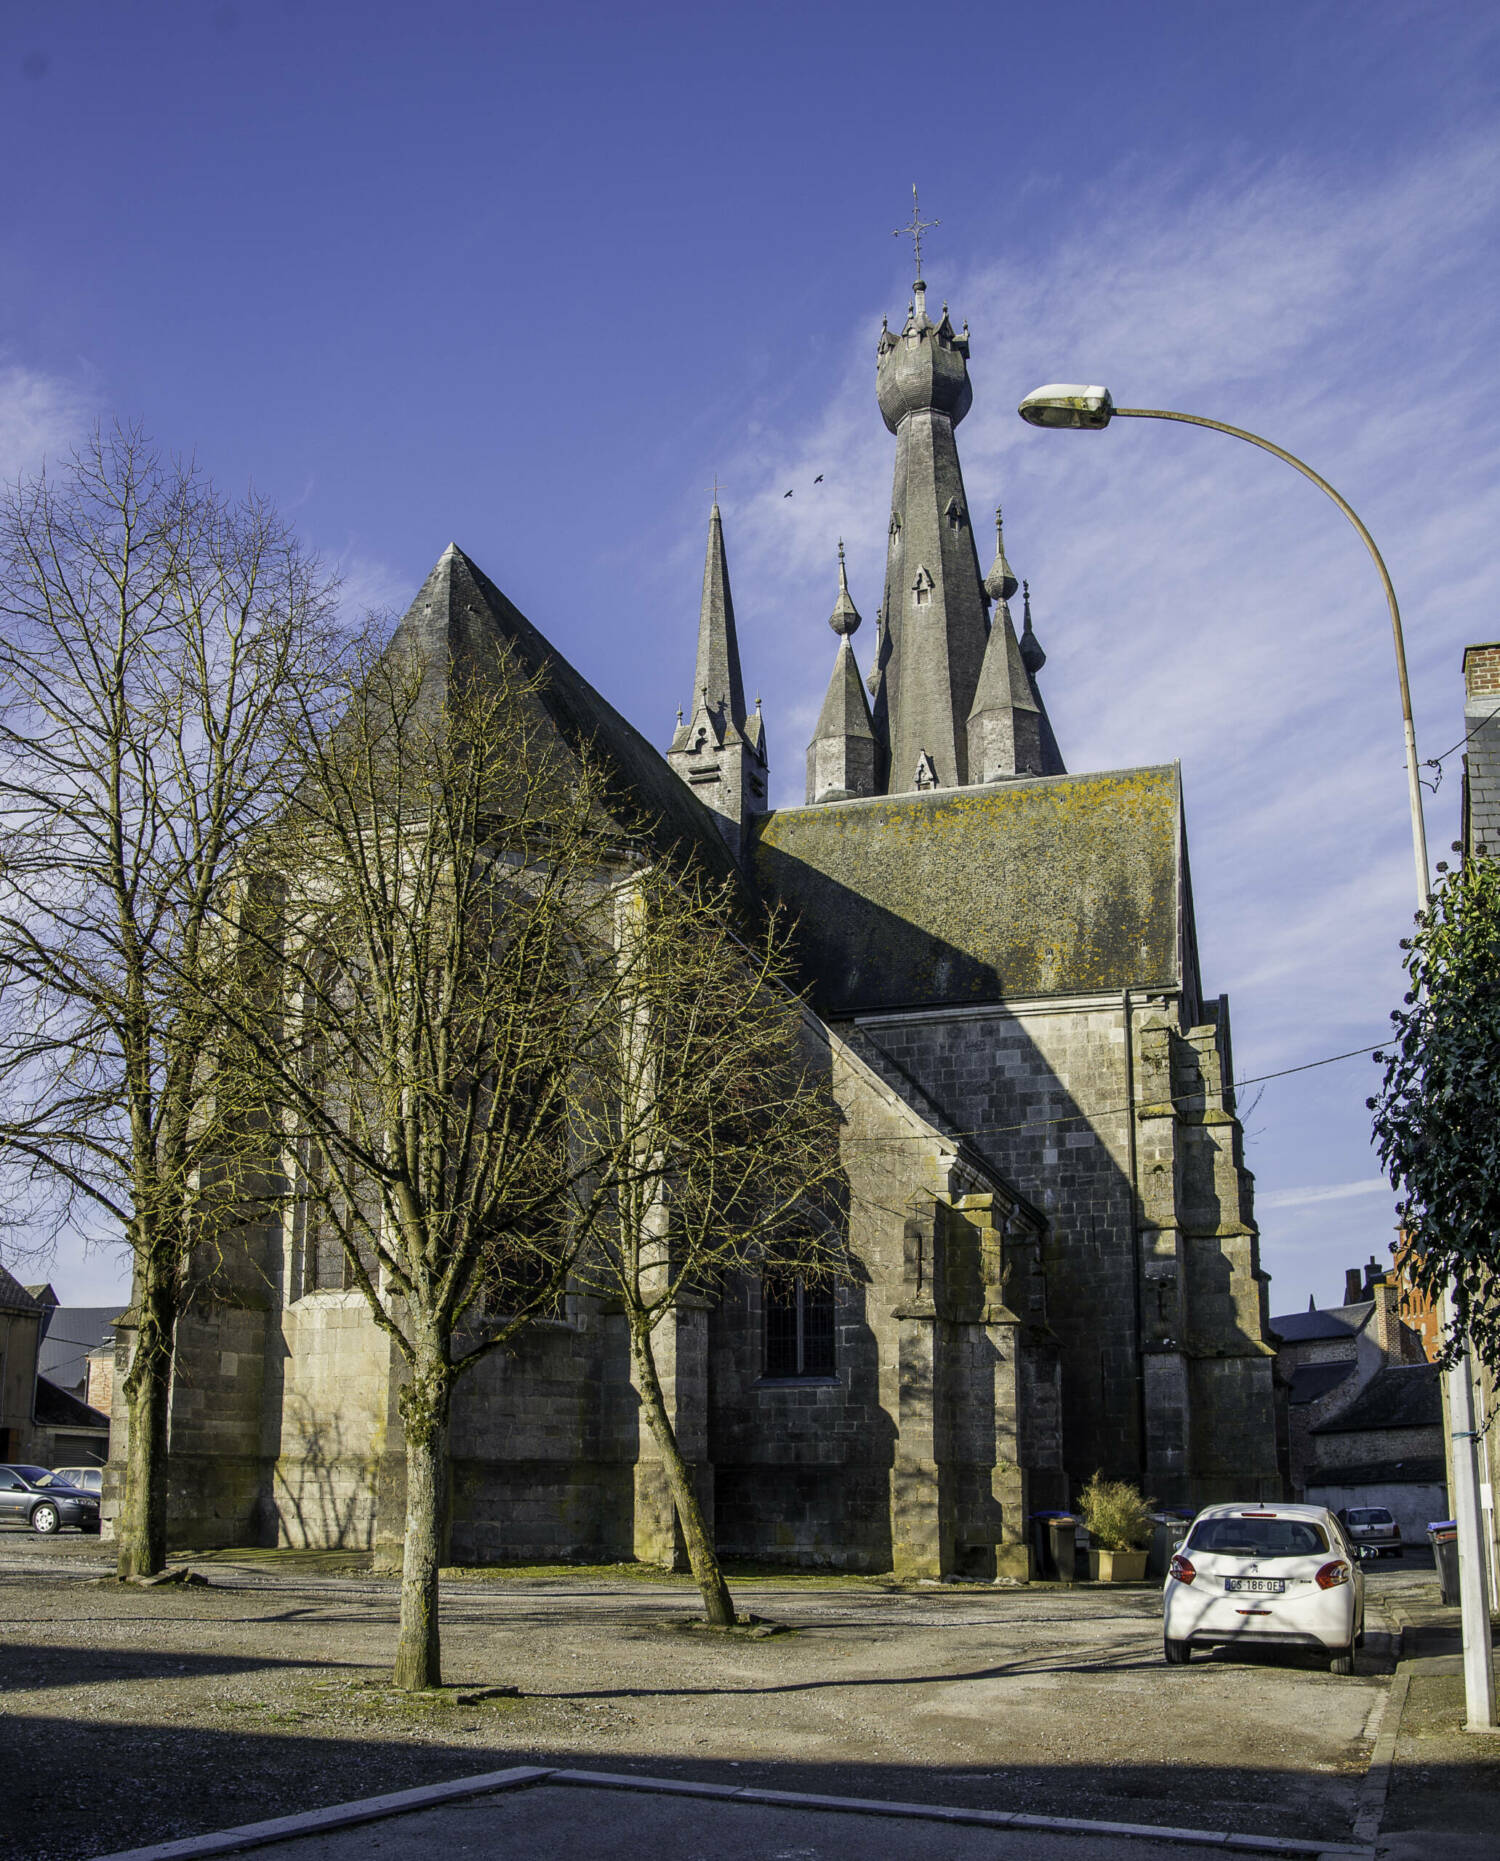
1413 781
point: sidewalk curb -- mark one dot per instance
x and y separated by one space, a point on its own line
432 1796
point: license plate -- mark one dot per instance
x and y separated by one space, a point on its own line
1262 1586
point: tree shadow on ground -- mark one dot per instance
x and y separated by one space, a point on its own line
78 1789
29 1666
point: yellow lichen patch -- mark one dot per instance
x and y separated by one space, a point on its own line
1063 885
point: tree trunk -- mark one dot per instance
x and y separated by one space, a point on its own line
424 1411
718 1604
141 1532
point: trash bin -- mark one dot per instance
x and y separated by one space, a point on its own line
1443 1537
1043 1550
1062 1543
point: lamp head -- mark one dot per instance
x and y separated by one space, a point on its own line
1063 403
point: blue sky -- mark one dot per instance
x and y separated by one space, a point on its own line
528 279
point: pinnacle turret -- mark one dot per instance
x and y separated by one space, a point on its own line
1000 583
842 757
845 616
1032 656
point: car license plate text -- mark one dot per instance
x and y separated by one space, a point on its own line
1264 1586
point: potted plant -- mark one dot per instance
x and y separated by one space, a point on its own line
1119 1526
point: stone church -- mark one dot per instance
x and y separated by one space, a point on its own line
1060 1266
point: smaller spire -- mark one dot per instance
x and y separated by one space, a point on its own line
1032 656
1000 584
845 618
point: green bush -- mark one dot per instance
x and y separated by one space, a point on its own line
1117 1516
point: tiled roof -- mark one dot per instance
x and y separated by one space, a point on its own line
55 1408
1311 1380
1413 1470
71 1332
13 1295
1403 1395
1338 1321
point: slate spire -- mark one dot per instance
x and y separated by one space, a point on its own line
720 752
931 642
718 670
842 755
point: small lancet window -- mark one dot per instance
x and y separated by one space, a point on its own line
799 1326
922 588
956 514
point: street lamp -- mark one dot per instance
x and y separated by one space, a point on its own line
1090 408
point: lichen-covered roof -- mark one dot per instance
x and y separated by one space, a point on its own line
1056 885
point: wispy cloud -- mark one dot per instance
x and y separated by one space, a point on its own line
1327 1192
41 415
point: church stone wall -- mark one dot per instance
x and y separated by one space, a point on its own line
1154 1292
542 1445
994 1070
335 1416
802 1468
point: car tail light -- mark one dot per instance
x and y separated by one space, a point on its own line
1181 1569
1332 1575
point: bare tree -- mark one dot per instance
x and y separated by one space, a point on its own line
725 1112
473 1068
441 908
152 635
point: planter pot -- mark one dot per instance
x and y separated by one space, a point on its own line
1117 1566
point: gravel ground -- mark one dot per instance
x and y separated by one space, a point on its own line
136 1715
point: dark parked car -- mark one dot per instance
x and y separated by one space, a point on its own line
44 1501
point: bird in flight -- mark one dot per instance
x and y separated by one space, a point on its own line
819 479
786 494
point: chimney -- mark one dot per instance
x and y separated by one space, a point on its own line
1385 1320
1352 1289
1482 674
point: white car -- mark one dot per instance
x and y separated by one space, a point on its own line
1265 1574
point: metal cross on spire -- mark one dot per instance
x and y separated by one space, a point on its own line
916 227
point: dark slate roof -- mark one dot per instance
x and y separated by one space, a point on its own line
461 619
1312 1380
1339 1321
1403 1395
55 1408
13 1295
69 1333
1413 1470
1052 885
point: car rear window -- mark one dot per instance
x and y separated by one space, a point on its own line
1369 1515
1258 1537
